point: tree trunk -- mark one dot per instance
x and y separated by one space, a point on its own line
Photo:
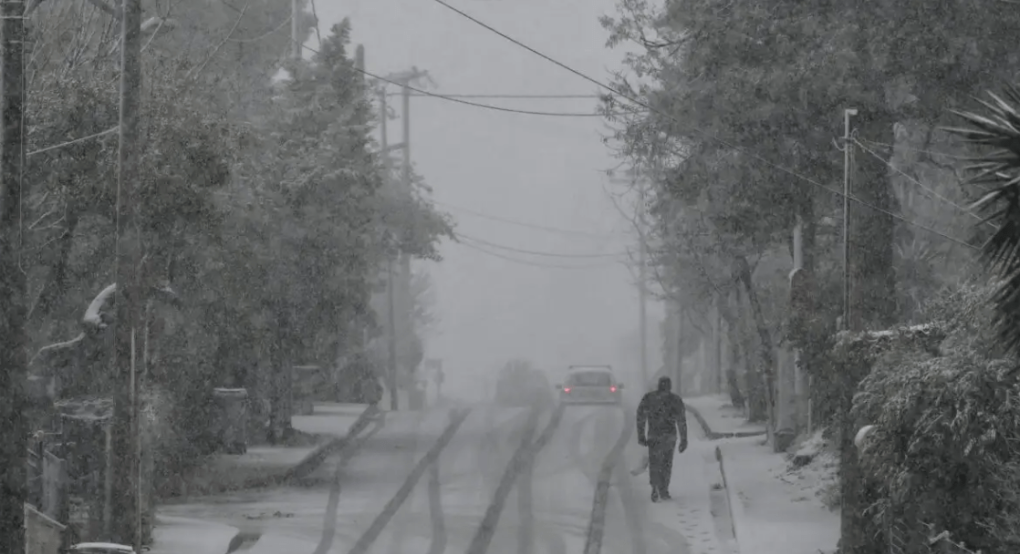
280 379
756 404
766 360
872 232
730 371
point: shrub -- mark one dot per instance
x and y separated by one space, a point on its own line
944 448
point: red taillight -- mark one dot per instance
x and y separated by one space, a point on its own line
612 389
566 389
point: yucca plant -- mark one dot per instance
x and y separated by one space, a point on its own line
996 129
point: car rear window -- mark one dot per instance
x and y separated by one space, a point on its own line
591 379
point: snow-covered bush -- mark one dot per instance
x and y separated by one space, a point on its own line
944 449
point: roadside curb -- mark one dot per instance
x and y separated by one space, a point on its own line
316 457
713 435
733 503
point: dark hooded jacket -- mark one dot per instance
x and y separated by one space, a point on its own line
663 413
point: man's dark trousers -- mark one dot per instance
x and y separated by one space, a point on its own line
660 462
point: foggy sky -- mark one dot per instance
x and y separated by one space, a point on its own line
532 169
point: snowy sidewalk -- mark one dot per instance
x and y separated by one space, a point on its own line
719 419
697 515
177 535
777 509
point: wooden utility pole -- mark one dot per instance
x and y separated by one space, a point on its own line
643 283
295 29
13 361
634 179
125 509
399 269
391 310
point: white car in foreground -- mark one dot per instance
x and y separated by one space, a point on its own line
591 385
100 548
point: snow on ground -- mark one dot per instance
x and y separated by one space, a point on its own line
696 520
329 419
174 535
294 515
813 468
777 509
721 416
230 471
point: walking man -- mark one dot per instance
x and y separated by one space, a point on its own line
663 413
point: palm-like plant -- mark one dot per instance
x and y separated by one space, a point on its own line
997 174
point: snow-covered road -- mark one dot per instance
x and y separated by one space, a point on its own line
547 510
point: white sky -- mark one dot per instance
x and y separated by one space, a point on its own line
532 169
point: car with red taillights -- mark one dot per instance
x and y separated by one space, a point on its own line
591 385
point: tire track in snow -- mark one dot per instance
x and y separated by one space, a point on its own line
524 455
574 437
597 521
346 454
438 545
525 508
398 535
628 502
369 537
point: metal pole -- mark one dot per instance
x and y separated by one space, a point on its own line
847 146
846 394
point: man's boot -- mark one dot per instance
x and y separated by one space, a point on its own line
655 495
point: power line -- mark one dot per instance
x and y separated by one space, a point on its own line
74 141
538 253
531 263
709 136
458 100
514 96
923 187
521 223
262 35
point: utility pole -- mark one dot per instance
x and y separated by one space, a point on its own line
414 400
13 361
399 270
125 431
295 29
847 159
391 317
634 179
850 497
643 284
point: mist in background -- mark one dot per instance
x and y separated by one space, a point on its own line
534 170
